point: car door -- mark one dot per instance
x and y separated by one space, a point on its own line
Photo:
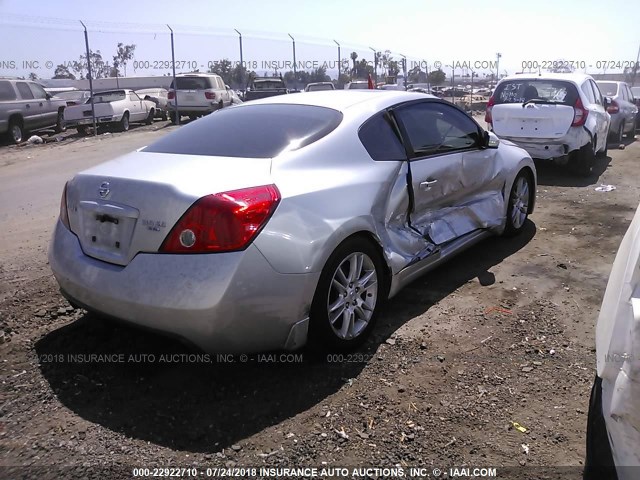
31 112
456 183
47 110
631 109
603 118
137 109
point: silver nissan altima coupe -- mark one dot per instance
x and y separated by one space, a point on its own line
286 220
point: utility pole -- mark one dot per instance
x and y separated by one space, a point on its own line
93 107
498 56
295 74
175 84
241 63
339 61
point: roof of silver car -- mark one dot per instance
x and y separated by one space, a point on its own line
343 99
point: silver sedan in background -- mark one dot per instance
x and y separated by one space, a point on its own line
286 220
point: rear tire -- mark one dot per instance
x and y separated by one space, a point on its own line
348 297
630 135
164 116
150 117
220 105
82 131
173 116
16 132
582 160
123 126
598 463
519 202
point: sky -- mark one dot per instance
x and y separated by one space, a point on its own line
593 36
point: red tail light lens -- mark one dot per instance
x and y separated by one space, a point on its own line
210 95
171 95
223 222
613 107
64 212
487 114
579 114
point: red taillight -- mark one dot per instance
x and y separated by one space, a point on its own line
613 107
210 95
579 114
64 212
487 114
223 222
171 95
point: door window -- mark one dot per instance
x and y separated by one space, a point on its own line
38 91
25 91
134 97
436 128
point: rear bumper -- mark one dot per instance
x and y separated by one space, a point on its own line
194 110
232 302
547 148
89 121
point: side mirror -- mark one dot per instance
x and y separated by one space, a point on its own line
490 140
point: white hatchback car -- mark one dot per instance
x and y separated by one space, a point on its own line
553 116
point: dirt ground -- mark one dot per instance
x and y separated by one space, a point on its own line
504 333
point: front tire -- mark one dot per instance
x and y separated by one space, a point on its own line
598 463
348 297
519 202
60 125
16 132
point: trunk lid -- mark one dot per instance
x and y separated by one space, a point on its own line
534 120
129 205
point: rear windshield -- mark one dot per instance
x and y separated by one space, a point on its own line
608 89
520 91
107 97
268 85
315 88
358 86
75 95
251 131
6 91
193 83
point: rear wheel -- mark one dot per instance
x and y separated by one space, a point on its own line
16 131
519 201
82 131
220 105
348 297
149 119
124 123
582 160
173 116
164 115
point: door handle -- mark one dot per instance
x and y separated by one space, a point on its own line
427 184
28 106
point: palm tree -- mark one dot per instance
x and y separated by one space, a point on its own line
354 57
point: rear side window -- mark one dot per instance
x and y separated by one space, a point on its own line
520 91
380 140
608 89
25 91
6 91
586 89
252 131
38 91
193 83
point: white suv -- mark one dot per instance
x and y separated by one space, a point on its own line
198 94
553 116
